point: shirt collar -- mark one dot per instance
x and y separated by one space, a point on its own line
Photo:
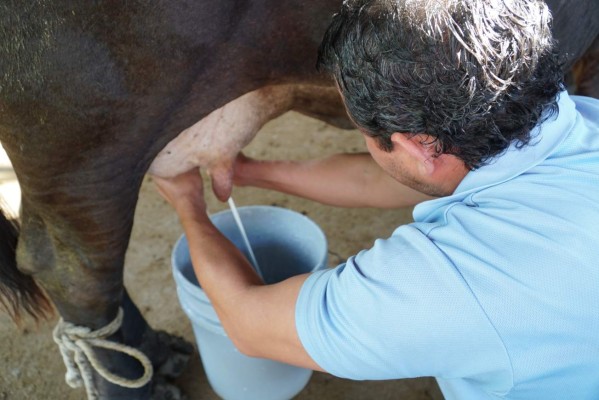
514 161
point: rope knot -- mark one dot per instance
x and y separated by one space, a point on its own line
76 345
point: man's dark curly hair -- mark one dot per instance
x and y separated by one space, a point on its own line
473 75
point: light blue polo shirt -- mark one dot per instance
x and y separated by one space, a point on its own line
493 290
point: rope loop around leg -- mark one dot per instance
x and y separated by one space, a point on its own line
76 345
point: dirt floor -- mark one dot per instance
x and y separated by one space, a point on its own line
31 366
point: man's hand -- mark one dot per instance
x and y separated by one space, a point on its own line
239 170
185 192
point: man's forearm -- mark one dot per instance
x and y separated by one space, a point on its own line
219 266
343 180
258 318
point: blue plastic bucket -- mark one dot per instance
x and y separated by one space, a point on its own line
285 243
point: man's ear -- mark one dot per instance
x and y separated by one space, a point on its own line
418 148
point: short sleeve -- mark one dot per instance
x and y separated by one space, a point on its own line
398 310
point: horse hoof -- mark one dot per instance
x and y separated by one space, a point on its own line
169 355
162 390
180 351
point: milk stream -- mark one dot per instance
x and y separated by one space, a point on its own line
245 238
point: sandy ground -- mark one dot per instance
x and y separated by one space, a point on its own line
31 367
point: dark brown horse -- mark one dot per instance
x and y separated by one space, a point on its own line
91 92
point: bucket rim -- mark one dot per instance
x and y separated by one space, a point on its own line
190 286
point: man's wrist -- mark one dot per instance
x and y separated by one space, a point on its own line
243 173
191 211
257 173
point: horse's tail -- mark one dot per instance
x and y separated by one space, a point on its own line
18 291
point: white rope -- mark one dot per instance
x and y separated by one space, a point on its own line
76 347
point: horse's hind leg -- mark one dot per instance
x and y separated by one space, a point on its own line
74 234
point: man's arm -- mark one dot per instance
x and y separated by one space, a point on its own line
344 180
258 318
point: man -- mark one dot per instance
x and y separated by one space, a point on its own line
493 288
